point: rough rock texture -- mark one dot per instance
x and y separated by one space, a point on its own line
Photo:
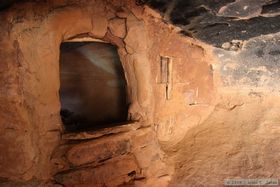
117 27
218 21
133 158
239 139
30 104
255 64
214 117
30 79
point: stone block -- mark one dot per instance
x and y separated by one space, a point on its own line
96 151
99 26
117 27
113 173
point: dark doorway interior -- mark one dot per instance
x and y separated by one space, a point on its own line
93 86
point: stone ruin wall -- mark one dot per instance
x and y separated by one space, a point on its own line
37 152
215 118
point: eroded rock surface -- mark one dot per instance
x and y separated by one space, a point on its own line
239 139
219 21
202 114
131 158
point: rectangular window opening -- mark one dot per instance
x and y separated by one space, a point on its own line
93 86
166 75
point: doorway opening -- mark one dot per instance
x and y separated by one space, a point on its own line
93 86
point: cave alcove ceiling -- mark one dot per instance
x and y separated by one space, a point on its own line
219 21
213 21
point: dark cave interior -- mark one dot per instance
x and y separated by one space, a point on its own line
93 86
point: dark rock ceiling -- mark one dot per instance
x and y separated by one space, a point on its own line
6 3
220 21
213 21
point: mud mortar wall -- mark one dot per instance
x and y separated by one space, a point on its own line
31 34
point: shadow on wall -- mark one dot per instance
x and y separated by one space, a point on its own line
93 86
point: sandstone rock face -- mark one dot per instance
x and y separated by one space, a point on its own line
95 152
219 21
200 114
113 173
30 83
99 26
238 139
130 158
118 27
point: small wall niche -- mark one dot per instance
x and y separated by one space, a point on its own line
166 75
93 86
